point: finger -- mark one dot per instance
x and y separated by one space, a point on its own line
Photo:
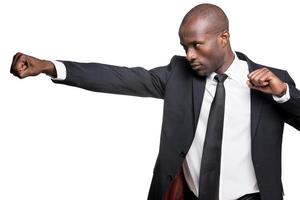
255 76
257 80
15 59
16 56
255 72
266 77
21 63
18 59
21 67
25 73
251 86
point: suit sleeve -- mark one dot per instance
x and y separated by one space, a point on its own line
291 108
105 78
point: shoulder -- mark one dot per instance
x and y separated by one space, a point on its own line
180 63
181 66
254 66
179 60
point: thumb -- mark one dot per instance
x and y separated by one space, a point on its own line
251 86
19 65
24 66
25 72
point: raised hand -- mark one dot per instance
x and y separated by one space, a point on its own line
23 66
266 81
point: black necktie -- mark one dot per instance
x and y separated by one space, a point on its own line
211 157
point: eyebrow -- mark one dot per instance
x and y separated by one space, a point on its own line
193 42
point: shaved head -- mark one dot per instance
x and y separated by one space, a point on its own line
204 35
212 15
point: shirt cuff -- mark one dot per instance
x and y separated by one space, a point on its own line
60 70
283 98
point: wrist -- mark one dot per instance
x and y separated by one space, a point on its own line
49 69
283 90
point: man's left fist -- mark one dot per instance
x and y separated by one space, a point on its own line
265 81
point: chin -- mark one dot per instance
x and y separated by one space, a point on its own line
202 73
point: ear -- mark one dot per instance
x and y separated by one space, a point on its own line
224 38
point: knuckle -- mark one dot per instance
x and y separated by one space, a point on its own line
17 75
22 57
21 75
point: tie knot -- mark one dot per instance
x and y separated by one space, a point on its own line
220 78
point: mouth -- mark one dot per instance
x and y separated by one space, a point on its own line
199 68
196 66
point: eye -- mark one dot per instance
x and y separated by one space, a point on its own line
197 45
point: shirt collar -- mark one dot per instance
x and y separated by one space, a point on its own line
238 70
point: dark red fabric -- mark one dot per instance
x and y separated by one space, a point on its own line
177 188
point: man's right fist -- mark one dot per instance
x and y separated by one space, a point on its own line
24 65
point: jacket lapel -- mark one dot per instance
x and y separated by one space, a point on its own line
198 93
256 105
255 98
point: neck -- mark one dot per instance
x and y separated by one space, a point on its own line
229 57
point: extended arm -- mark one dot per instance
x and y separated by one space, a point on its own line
135 81
99 77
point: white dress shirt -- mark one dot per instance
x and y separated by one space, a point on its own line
61 71
237 176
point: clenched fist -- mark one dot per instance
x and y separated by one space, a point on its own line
23 66
266 81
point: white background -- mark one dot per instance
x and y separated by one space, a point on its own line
59 142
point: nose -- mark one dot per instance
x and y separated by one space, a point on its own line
190 55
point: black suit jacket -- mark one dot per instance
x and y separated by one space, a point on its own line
182 91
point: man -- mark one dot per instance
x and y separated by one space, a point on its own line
223 114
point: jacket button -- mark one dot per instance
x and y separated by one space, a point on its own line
182 154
